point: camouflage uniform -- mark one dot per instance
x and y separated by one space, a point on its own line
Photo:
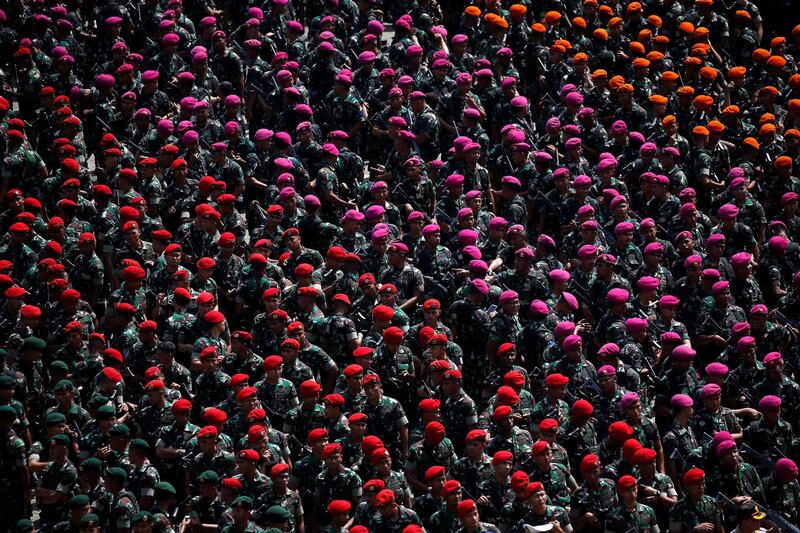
599 501
422 455
280 398
642 518
686 515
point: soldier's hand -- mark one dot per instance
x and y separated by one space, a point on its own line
705 527
483 501
103 452
750 412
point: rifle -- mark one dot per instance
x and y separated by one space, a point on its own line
550 202
742 391
270 413
491 505
783 319
765 462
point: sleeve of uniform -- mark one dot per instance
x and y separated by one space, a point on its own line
355 487
675 521
400 416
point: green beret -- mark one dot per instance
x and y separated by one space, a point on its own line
64 385
3 353
209 476
24 526
53 419
97 401
34 343
139 444
89 520
92 463
117 473
119 430
142 517
59 440
7 382
59 365
243 501
106 412
78 501
277 514
8 411
165 487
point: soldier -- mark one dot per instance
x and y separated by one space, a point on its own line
385 418
14 470
241 509
591 503
696 508
123 506
541 513
391 517
630 511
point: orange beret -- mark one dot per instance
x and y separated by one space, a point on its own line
709 73
776 62
737 72
751 142
731 111
669 75
759 54
552 17
636 47
783 162
766 129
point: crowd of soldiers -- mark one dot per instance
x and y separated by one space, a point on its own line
328 266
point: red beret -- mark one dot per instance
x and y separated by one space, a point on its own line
181 406
309 388
112 374
339 507
212 415
626 483
316 435
693 475
503 456
249 455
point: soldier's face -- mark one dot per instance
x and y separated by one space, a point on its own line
543 459
538 500
372 391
